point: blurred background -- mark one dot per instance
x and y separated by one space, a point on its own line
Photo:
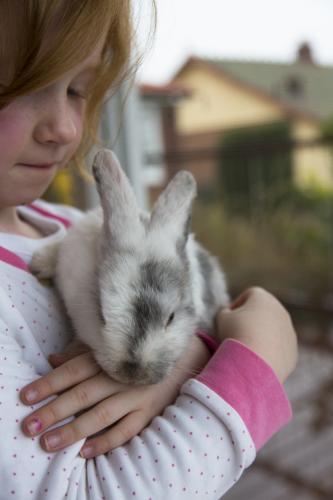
241 94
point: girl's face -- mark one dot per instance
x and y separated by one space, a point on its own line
40 132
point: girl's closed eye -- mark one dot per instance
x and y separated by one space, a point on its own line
77 93
82 85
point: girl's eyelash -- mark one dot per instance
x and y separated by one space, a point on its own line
76 93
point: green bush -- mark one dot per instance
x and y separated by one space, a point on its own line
286 246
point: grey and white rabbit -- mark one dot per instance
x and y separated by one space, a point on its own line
136 285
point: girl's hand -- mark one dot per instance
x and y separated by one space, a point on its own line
82 384
257 319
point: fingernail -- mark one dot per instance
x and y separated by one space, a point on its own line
31 395
52 441
34 426
87 451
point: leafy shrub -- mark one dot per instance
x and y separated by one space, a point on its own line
285 245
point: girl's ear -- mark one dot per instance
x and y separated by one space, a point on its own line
172 210
121 212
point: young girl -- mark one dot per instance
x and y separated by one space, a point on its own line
57 61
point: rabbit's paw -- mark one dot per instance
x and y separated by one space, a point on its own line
44 261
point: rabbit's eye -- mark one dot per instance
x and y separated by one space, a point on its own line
172 315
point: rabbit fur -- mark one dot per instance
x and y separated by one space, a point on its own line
136 285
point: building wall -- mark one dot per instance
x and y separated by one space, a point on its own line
219 104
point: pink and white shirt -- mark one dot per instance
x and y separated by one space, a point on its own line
198 448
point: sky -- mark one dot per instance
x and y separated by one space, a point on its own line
267 30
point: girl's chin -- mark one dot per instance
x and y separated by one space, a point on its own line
31 191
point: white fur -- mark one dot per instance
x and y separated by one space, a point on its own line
98 269
196 276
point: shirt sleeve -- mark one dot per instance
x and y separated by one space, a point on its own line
244 380
198 448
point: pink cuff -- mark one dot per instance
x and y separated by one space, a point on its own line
248 384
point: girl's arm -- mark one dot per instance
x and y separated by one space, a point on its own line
200 440
128 409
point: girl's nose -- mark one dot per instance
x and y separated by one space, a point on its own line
57 124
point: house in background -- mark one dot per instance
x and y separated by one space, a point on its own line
228 95
158 130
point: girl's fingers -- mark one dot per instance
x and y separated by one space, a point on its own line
70 373
127 428
75 348
89 423
59 359
69 403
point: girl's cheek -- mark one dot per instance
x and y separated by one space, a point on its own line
79 125
13 126
80 131
81 115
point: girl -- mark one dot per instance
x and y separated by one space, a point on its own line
57 61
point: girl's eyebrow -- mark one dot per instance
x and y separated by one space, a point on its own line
90 69
86 76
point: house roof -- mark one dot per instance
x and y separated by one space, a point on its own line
303 87
306 86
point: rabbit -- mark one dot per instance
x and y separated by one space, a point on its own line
136 285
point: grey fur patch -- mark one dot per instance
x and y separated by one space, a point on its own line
151 276
182 241
158 276
96 300
187 226
206 270
147 313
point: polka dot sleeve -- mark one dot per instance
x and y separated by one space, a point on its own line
197 449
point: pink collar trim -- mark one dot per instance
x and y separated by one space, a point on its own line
44 212
16 261
13 259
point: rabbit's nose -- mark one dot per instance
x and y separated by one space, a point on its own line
132 372
131 368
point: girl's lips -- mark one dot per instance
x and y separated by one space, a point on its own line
45 166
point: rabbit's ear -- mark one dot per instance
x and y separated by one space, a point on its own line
172 210
121 212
